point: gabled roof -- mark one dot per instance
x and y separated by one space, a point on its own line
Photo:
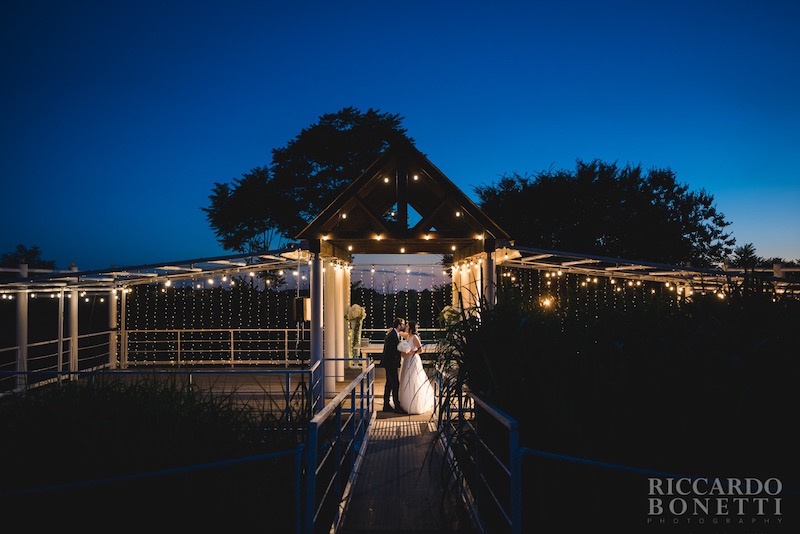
403 201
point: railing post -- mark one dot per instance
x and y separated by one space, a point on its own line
515 468
286 346
480 488
74 348
60 351
337 450
298 489
311 476
288 395
233 352
123 359
22 331
112 328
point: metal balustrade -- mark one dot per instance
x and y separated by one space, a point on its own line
482 451
336 439
227 346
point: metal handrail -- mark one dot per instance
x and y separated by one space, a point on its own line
222 346
462 415
346 418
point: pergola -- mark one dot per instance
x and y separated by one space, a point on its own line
402 204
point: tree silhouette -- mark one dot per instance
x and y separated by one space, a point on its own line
241 214
270 205
745 257
30 256
604 209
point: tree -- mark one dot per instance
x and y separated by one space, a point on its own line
745 257
269 206
314 167
30 256
241 214
603 209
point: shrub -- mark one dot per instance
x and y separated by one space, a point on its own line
89 448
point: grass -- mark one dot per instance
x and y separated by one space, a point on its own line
80 450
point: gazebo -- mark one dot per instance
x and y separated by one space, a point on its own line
402 204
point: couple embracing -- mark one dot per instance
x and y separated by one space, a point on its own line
408 387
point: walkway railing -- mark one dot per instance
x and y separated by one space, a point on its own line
52 360
337 435
223 346
488 473
232 347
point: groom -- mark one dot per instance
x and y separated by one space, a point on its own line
391 362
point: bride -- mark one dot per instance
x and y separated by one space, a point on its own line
416 391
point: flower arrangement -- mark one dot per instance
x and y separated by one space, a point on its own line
449 315
355 318
356 312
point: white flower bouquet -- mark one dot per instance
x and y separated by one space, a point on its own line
356 312
449 315
355 318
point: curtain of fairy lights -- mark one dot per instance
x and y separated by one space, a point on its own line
409 291
204 310
586 299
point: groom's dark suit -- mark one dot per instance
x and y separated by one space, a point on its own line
391 362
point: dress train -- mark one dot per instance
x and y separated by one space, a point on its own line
416 391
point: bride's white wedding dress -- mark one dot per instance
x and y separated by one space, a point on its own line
416 391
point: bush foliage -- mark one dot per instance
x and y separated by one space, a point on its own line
706 389
89 449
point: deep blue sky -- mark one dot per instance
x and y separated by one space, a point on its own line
118 117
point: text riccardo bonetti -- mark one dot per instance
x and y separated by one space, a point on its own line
714 500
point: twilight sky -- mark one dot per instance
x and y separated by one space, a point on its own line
118 117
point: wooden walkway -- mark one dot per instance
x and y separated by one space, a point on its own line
398 486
